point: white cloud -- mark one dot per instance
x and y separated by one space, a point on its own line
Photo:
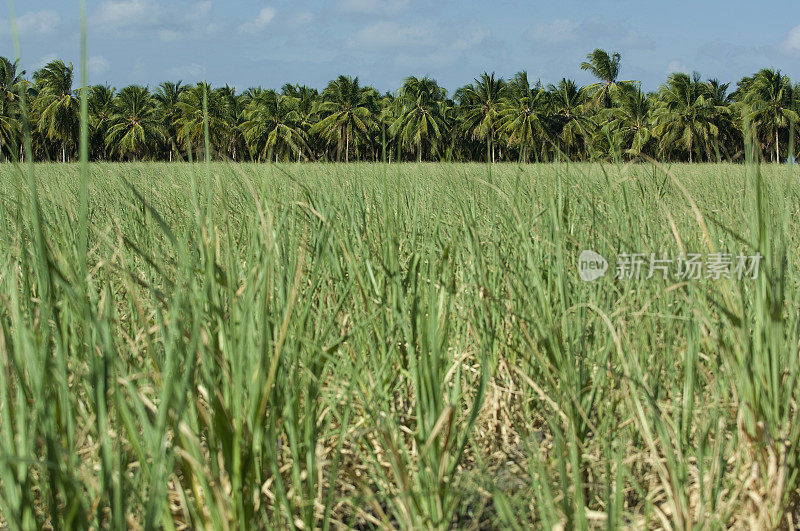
200 10
419 48
98 65
127 13
191 71
35 22
302 18
791 44
49 58
476 37
204 8
373 6
170 35
387 34
261 21
557 31
675 67
170 22
588 33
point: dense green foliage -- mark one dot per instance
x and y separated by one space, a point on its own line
686 119
393 346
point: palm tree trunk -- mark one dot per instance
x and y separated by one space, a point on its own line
346 147
419 150
777 147
63 152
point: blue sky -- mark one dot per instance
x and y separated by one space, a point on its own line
267 43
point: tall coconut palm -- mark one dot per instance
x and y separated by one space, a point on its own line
523 114
233 105
422 119
307 101
480 102
167 97
346 112
391 108
685 116
569 103
631 120
306 98
769 102
718 92
605 67
135 127
191 119
56 106
101 110
11 82
729 136
793 140
273 125
251 94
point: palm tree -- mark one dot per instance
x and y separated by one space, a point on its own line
605 67
722 101
422 117
56 106
685 116
135 126
569 105
273 125
769 101
480 103
191 119
792 144
306 98
391 108
11 82
307 102
101 109
347 113
523 114
630 120
167 97
232 141
718 92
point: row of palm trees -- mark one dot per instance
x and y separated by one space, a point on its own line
686 119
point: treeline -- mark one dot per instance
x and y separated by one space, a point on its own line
686 119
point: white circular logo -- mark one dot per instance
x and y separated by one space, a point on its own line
591 266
